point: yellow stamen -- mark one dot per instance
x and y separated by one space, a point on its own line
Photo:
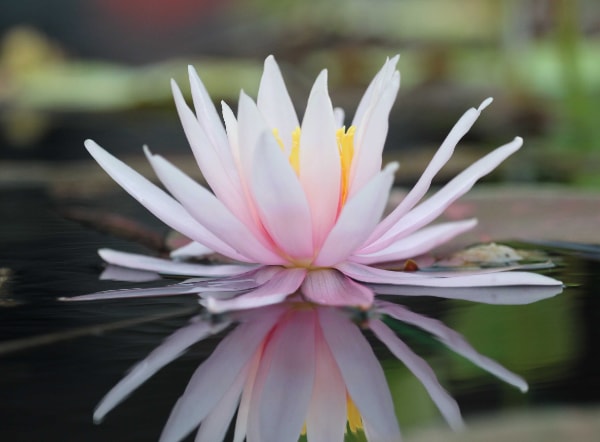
294 157
278 138
295 151
345 144
345 141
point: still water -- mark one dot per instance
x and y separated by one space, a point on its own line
49 388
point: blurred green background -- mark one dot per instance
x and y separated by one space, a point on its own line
100 68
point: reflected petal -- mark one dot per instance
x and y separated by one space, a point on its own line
454 341
169 350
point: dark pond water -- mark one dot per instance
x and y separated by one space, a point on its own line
48 392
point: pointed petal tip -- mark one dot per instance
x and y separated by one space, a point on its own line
392 167
485 103
321 80
91 145
192 73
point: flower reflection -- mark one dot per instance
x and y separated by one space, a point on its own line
297 367
303 200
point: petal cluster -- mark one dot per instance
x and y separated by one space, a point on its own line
304 196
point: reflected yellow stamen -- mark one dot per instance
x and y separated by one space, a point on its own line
355 422
345 141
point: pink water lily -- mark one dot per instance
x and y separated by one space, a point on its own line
296 367
302 201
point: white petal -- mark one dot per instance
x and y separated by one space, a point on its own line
169 350
280 200
208 117
374 275
511 295
170 267
418 243
251 127
445 403
455 341
158 202
339 115
231 126
357 219
441 157
214 377
361 371
439 202
211 213
218 170
275 104
191 250
373 91
370 138
320 166
330 287
124 274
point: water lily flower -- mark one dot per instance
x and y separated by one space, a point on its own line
295 367
302 201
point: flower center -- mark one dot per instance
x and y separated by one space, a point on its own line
345 144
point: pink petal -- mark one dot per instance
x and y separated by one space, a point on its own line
429 210
418 243
285 379
357 219
320 166
326 419
211 213
215 376
280 200
445 403
370 137
275 104
374 275
454 341
169 350
330 287
217 168
361 371
158 202
275 290
440 158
